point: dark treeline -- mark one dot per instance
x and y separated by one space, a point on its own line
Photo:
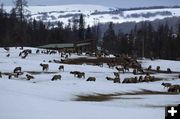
144 41
17 30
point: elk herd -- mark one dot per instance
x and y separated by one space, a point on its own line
128 66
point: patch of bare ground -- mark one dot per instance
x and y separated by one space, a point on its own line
40 72
97 97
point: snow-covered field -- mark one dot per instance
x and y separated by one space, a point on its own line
41 98
94 14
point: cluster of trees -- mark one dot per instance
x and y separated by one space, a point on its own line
144 41
17 30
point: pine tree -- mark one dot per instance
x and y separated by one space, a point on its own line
109 39
20 7
81 28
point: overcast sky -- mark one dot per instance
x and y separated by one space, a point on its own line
110 3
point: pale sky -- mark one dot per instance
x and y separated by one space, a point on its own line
109 3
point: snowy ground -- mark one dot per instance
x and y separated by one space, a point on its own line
22 99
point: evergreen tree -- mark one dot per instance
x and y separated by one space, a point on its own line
20 7
109 39
81 28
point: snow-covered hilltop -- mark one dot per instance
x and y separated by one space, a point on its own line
94 14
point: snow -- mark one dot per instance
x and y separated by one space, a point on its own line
41 98
41 12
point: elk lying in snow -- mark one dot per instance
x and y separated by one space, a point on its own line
78 74
29 77
91 79
174 88
44 66
61 67
130 80
17 70
7 49
166 85
7 55
109 78
56 77
13 74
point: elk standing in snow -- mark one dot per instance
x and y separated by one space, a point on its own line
44 67
61 67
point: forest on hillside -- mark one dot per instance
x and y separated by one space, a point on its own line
146 41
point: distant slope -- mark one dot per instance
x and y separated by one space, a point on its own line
98 14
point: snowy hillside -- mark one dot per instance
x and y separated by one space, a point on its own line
41 98
97 14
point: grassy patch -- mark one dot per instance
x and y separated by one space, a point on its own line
97 97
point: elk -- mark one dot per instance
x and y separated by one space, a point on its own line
174 88
120 69
61 67
44 66
169 70
17 70
7 49
130 80
109 78
91 79
56 77
166 85
140 78
116 74
149 68
116 80
158 68
7 55
13 74
29 77
78 74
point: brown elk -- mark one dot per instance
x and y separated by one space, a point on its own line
17 70
7 55
174 88
56 77
44 67
116 74
117 80
169 70
120 69
29 77
91 79
61 67
109 78
149 68
158 68
166 85
78 74
130 80
7 49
